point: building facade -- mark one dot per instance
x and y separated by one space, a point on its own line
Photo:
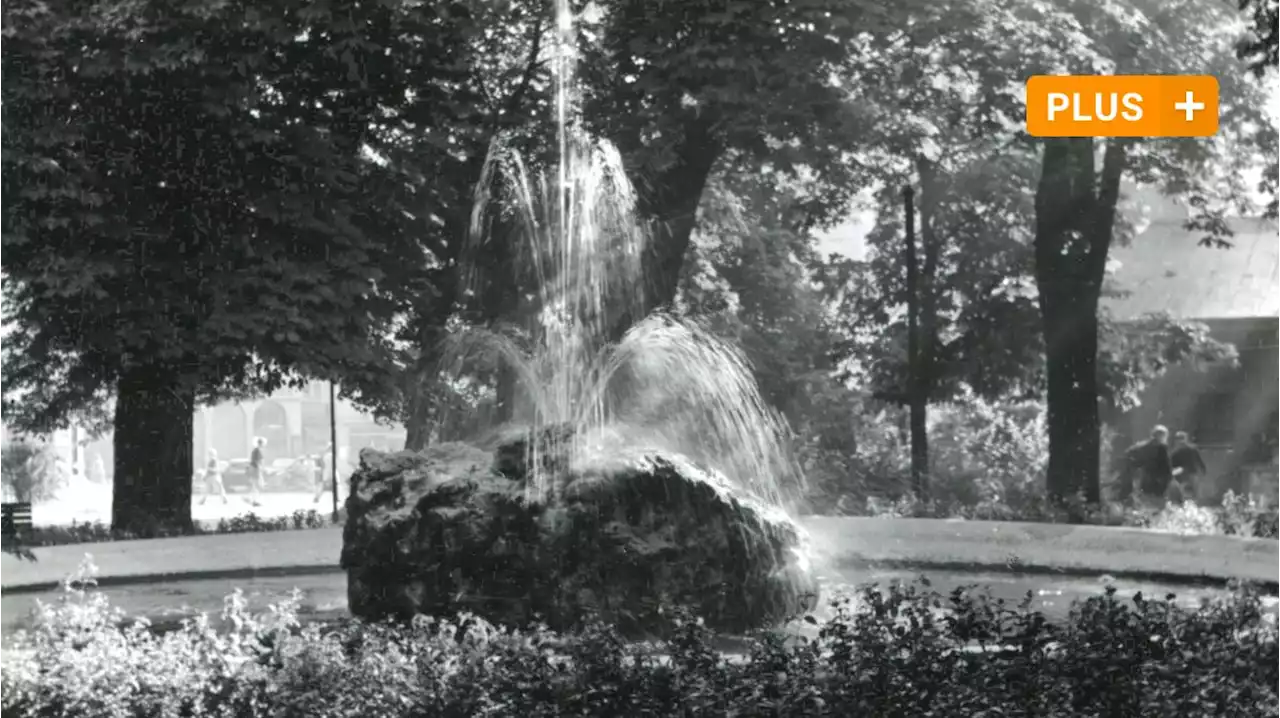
1229 410
295 422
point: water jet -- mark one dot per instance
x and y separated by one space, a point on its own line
628 476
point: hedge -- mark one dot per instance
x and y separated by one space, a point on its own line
901 650
98 532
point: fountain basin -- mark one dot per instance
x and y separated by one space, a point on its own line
324 595
168 579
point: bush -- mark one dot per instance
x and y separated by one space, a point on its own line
981 453
1188 519
987 453
1237 516
901 651
97 532
1247 516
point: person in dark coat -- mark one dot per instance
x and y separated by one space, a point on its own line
1188 464
257 471
1148 467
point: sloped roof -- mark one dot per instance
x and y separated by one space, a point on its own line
1165 269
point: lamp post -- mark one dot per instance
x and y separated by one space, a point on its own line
916 401
333 448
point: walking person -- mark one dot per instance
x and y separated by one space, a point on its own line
213 478
256 471
324 473
1188 465
1148 468
98 470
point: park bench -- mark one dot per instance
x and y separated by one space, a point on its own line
15 520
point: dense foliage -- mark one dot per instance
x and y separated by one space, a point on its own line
211 200
193 214
903 650
1013 233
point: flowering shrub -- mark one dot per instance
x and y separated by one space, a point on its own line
1187 518
1035 509
903 650
1248 516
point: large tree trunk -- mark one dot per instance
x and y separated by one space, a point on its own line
676 211
1070 314
153 463
419 422
423 411
1075 217
422 388
672 209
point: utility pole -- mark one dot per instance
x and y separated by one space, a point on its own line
916 401
333 449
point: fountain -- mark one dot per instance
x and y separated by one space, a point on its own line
628 478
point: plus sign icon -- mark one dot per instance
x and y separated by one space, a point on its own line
1189 106
1122 106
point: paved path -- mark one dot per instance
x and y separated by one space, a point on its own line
1031 546
180 558
929 544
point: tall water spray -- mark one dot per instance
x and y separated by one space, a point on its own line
668 384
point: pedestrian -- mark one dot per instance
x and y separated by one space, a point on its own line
98 470
1148 468
1188 464
256 471
213 478
324 476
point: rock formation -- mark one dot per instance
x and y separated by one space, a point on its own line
623 540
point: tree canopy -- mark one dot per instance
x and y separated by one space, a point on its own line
192 211
212 200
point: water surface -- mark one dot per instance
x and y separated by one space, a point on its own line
324 596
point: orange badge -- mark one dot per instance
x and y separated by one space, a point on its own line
1122 106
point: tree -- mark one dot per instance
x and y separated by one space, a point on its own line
958 139
752 274
1259 49
498 89
689 89
29 470
191 213
755 278
685 91
940 88
1132 354
1080 188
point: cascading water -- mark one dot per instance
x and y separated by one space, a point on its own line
632 479
668 383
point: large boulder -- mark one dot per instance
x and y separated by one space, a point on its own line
623 540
